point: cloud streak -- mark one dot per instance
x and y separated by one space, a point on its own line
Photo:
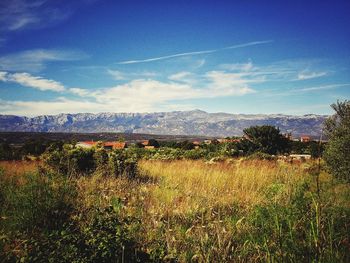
194 53
36 59
310 75
325 87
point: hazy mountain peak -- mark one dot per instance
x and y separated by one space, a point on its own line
195 122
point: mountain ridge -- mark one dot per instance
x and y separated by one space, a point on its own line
195 122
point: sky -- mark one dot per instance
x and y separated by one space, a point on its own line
250 57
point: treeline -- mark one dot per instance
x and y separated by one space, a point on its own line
259 141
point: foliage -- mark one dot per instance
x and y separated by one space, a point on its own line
337 153
75 161
120 164
153 142
267 139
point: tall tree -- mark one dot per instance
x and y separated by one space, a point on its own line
267 139
337 129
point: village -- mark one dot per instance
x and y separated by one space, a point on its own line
151 144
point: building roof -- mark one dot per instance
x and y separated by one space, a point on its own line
115 145
145 143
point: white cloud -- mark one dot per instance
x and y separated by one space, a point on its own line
80 92
234 82
35 60
148 94
28 80
310 75
180 76
141 95
3 76
193 53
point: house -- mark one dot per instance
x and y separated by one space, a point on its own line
145 143
305 139
114 145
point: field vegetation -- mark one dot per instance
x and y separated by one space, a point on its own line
238 210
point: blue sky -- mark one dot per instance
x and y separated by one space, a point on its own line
290 57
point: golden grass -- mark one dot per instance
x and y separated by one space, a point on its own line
194 210
188 186
17 168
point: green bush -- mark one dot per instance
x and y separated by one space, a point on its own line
72 161
337 153
120 164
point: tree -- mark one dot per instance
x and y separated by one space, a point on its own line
337 129
266 139
153 142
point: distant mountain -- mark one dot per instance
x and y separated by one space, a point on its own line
194 122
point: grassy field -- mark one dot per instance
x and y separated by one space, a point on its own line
185 211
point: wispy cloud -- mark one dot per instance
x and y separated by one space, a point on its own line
310 75
30 14
324 87
35 60
298 91
28 80
193 53
21 14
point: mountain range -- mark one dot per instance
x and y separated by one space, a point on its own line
196 122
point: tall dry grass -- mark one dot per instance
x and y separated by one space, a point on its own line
237 211
17 168
186 186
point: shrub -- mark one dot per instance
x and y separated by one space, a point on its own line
337 152
73 161
194 154
121 165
